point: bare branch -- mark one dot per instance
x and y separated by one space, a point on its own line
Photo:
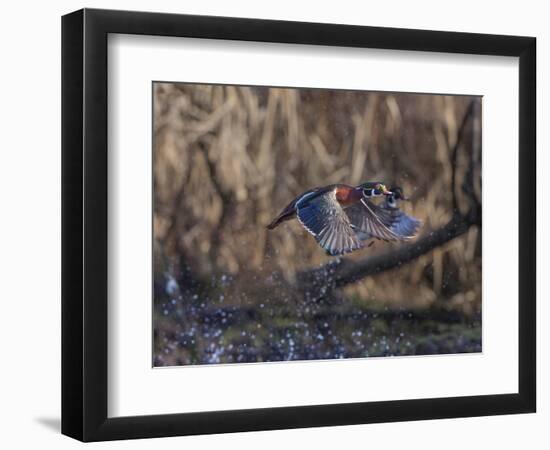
458 142
342 272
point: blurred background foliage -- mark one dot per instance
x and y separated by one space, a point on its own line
227 159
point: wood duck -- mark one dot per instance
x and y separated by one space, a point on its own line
342 217
389 213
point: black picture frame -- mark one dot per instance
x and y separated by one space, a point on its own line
84 224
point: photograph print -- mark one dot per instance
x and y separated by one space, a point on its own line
300 224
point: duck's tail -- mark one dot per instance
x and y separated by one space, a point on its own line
284 216
274 223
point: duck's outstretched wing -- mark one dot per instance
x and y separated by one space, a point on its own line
324 218
373 221
403 224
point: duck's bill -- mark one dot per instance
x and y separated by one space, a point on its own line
382 191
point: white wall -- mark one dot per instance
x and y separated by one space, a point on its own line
30 221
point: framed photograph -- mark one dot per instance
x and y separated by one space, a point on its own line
273 224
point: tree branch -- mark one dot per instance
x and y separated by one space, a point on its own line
454 153
316 283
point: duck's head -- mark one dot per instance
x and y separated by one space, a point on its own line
374 189
398 194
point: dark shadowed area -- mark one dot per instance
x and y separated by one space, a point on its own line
226 161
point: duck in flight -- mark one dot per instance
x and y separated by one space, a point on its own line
343 218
